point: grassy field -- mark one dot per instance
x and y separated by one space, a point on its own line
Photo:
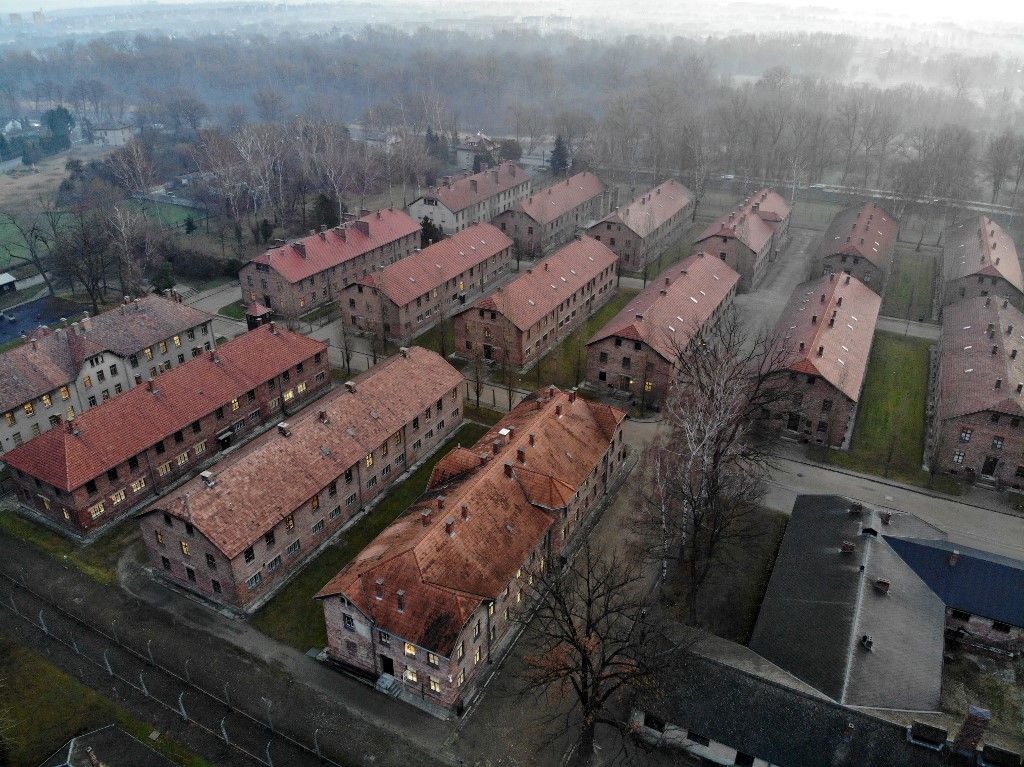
235 310
293 616
888 435
908 293
565 364
45 708
98 560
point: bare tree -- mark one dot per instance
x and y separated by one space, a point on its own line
83 255
132 244
998 159
35 241
330 155
591 642
270 104
132 167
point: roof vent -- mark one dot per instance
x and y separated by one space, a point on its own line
350 385
283 429
404 351
954 557
323 417
867 642
882 585
848 547
508 470
207 478
886 517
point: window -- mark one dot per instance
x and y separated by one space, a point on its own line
461 678
332 489
372 481
410 674
181 458
165 562
958 456
254 581
301 387
433 660
211 562
250 555
699 739
216 586
435 686
961 615
369 460
1002 628
289 395
965 435
200 448
185 549
410 650
289 522
160 537
476 655
234 404
163 347
293 548
315 502
47 400
461 653
384 638
177 340
351 500
743 760
167 520
191 574
160 448
318 527
164 469
117 497
139 485
275 563
65 393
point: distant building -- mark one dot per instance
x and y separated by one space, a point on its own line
8 283
108 746
750 238
978 400
467 150
409 297
861 241
642 230
111 460
295 278
637 351
518 323
470 199
427 606
824 336
113 135
550 217
235 534
980 259
59 373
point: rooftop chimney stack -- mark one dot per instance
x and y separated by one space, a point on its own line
378 588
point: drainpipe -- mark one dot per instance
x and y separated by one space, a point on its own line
487 614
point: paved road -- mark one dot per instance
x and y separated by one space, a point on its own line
924 330
761 308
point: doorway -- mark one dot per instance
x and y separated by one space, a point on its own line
793 422
387 666
989 467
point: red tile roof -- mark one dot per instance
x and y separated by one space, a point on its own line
753 223
674 306
311 255
258 486
460 193
431 267
870 224
109 434
495 520
652 209
538 290
980 246
834 315
545 205
975 358
52 358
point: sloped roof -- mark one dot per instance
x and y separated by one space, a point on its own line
834 315
108 435
674 306
53 358
981 247
112 746
305 257
468 190
821 602
445 576
538 290
433 266
979 582
545 205
974 358
652 209
868 231
753 223
259 485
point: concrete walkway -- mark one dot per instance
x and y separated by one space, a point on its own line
925 330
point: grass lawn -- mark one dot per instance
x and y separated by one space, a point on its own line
565 365
888 435
431 339
293 616
908 294
45 708
235 310
98 559
482 414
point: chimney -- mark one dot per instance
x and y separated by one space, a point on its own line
572 396
533 439
207 478
545 266
886 517
440 502
449 526
867 642
999 383
378 588
473 184
425 517
973 727
351 386
667 282
821 351
847 282
882 585
273 328
954 557
521 455
558 411
801 346
94 761
323 417
404 351
663 292
86 322
300 248
149 385
496 447
639 315
283 430
848 547
508 470
465 512
814 319
400 595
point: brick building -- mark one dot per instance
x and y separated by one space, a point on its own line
59 373
297 277
824 336
637 350
550 217
469 199
978 402
521 321
860 241
431 601
410 296
980 259
642 230
750 238
235 534
112 459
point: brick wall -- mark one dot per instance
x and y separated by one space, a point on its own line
986 444
974 286
816 412
861 268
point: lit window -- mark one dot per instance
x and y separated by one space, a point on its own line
289 522
965 435
301 387
47 400
177 340
96 510
315 502
435 686
87 382
958 456
117 497
163 469
410 674
9 418
384 638
163 347
159 537
182 458
433 660
65 392
289 395
138 485
148 351
476 655
29 408
369 460
410 650
200 448
461 678
184 548
234 404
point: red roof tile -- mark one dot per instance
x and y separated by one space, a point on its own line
431 267
259 485
445 575
460 193
753 226
980 246
546 205
311 255
652 209
693 290
538 290
869 223
109 434
834 315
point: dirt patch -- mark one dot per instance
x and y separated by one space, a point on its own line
21 189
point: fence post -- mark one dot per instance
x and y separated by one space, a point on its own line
270 761
181 706
224 732
149 649
106 662
14 606
42 623
142 684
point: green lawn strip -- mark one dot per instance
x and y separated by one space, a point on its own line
293 616
45 707
482 414
98 559
561 364
235 310
431 339
908 294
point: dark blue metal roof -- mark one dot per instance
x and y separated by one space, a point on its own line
981 583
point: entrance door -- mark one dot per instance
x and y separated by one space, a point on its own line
488 352
989 468
625 382
793 422
387 665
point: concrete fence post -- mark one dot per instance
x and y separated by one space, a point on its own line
270 761
142 684
42 624
106 662
224 732
181 706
